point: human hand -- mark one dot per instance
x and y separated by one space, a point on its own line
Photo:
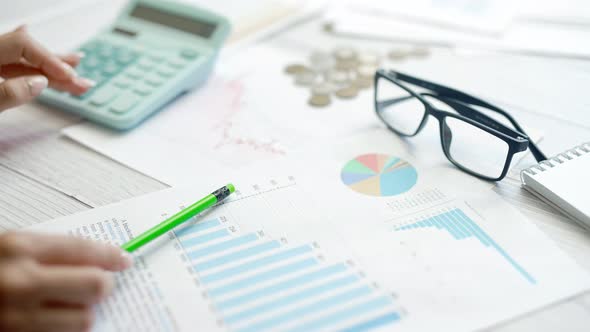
50 283
28 68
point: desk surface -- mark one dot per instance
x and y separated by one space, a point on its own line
44 175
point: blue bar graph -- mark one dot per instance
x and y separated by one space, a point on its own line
339 316
323 273
236 256
247 277
195 241
198 227
374 323
264 276
322 304
223 246
293 298
256 264
460 226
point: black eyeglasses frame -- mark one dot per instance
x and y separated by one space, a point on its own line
516 139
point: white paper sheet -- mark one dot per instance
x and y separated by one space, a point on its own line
249 111
484 17
302 250
521 37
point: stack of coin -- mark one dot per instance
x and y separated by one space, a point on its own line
344 72
400 54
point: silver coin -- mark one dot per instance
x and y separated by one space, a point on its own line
347 92
397 54
323 66
319 100
319 56
369 58
295 68
366 71
347 64
420 52
322 88
305 78
345 53
321 61
337 76
363 83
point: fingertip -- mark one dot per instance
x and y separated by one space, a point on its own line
84 83
17 91
37 84
126 260
121 259
81 85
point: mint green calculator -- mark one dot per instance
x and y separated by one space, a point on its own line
155 51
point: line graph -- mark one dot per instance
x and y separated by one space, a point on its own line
228 130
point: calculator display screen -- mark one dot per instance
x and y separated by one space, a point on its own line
184 23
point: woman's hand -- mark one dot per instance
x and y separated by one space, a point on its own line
50 283
27 68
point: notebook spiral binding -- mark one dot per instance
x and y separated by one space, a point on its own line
561 158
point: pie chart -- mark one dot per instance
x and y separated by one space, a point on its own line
380 175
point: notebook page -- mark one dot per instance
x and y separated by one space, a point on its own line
570 181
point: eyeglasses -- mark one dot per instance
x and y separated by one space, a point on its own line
473 141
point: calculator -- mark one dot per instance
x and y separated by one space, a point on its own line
155 51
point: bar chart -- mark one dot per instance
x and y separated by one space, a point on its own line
256 283
460 226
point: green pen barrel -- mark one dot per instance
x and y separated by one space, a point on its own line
169 224
177 219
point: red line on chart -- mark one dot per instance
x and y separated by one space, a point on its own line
235 89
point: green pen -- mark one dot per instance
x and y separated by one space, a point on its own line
177 219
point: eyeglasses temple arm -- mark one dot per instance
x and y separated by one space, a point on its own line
478 116
537 153
456 94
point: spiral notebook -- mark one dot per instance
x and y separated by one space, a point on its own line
563 182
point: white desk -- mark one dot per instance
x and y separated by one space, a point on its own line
44 175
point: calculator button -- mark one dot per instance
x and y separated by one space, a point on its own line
98 78
106 52
145 65
165 72
116 49
110 69
91 62
189 54
91 46
122 83
154 81
82 96
156 57
134 74
103 96
176 64
126 57
81 71
143 90
124 103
